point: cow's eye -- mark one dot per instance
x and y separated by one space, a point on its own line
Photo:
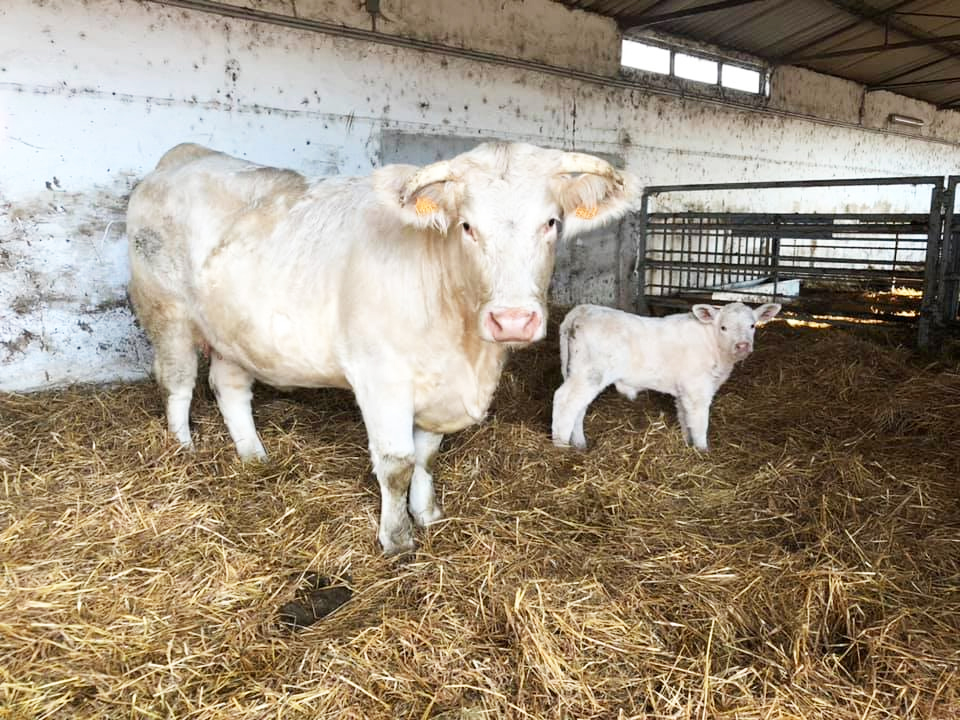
723 328
552 222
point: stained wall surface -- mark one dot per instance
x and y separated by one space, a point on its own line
92 92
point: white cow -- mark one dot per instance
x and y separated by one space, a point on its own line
687 355
407 287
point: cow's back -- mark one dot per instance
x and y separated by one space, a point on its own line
180 213
647 352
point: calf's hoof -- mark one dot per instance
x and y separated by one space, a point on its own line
428 516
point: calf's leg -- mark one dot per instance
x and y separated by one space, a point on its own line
233 387
570 403
696 412
423 503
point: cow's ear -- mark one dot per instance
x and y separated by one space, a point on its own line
427 197
434 206
705 313
767 311
591 192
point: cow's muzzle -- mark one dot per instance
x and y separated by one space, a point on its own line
742 349
509 325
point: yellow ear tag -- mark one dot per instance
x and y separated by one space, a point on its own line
426 206
586 213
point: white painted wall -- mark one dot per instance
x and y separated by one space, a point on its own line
92 92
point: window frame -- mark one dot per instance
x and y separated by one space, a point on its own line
720 59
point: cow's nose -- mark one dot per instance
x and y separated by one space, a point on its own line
742 348
513 324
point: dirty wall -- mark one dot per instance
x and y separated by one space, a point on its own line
92 92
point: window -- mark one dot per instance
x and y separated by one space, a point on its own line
645 57
695 68
677 63
741 78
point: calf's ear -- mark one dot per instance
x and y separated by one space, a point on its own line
705 313
767 311
427 197
591 192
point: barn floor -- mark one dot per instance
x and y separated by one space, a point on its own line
807 567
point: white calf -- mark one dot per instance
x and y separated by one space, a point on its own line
687 355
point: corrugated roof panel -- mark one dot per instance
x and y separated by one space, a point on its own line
798 32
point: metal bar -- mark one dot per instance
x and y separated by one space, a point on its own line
860 17
950 257
917 68
875 48
639 266
846 182
633 22
934 240
949 103
912 83
933 15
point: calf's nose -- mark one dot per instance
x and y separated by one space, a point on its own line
742 347
513 324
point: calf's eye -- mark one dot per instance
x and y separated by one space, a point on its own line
723 328
466 227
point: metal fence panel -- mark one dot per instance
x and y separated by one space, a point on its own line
836 266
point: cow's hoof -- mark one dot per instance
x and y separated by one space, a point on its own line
428 517
398 544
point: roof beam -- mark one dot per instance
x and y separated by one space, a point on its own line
883 18
918 68
875 48
913 83
633 22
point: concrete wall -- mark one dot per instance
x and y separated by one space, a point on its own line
93 91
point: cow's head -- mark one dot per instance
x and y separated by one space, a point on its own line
734 325
505 205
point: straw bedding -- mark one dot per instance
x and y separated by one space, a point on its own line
807 567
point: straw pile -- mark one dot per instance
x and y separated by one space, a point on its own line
807 567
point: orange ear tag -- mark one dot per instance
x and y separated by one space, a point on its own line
586 213
426 206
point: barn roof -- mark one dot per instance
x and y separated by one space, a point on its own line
911 47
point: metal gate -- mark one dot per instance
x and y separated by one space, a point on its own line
855 267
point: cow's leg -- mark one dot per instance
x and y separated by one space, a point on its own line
175 366
388 417
423 503
233 387
696 412
570 403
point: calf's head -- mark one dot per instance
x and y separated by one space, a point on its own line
500 209
734 325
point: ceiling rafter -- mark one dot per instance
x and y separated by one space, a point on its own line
886 20
877 48
634 22
856 22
